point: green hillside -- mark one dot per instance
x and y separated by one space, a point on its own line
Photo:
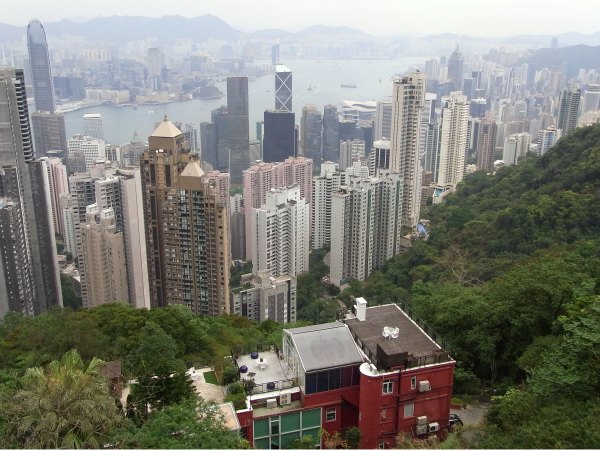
510 277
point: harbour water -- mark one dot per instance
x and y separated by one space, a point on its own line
317 82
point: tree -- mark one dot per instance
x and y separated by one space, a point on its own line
190 424
161 378
65 405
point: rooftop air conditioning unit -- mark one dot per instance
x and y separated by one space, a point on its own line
285 399
422 420
271 403
421 430
433 427
424 386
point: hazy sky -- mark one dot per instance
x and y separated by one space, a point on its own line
378 17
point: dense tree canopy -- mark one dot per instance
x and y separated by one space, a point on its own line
510 276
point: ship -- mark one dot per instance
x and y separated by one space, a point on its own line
348 85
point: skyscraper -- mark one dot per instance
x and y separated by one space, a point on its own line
86 148
516 147
311 127
24 182
568 109
187 234
280 233
197 253
408 102
208 144
366 216
591 98
92 126
323 187
17 291
283 88
547 138
383 121
48 132
39 60
455 69
331 141
161 165
453 142
58 185
104 255
239 127
260 178
486 143
280 136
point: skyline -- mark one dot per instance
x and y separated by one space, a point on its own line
506 19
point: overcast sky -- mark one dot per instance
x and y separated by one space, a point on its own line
378 17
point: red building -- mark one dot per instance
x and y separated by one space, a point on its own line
377 370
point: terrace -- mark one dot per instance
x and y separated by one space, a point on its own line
266 367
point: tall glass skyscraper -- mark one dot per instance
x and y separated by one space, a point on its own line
239 127
39 60
283 88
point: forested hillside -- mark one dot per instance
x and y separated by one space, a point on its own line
510 277
51 365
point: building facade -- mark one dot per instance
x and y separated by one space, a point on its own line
377 370
486 143
283 88
408 102
279 232
24 181
238 127
264 297
104 256
187 234
260 178
39 60
366 214
48 132
280 140
311 128
453 142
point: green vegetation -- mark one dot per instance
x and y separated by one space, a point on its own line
237 272
211 378
315 303
66 405
70 300
155 347
510 277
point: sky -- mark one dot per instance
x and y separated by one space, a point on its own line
377 17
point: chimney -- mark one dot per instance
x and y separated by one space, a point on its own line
361 309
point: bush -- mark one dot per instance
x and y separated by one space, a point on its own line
230 374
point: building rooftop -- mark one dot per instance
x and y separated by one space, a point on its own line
272 369
166 129
325 346
193 169
410 343
231 420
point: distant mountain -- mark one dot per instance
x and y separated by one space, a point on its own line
11 32
127 28
325 30
576 57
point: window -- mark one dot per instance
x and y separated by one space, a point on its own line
330 414
409 409
413 383
387 387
